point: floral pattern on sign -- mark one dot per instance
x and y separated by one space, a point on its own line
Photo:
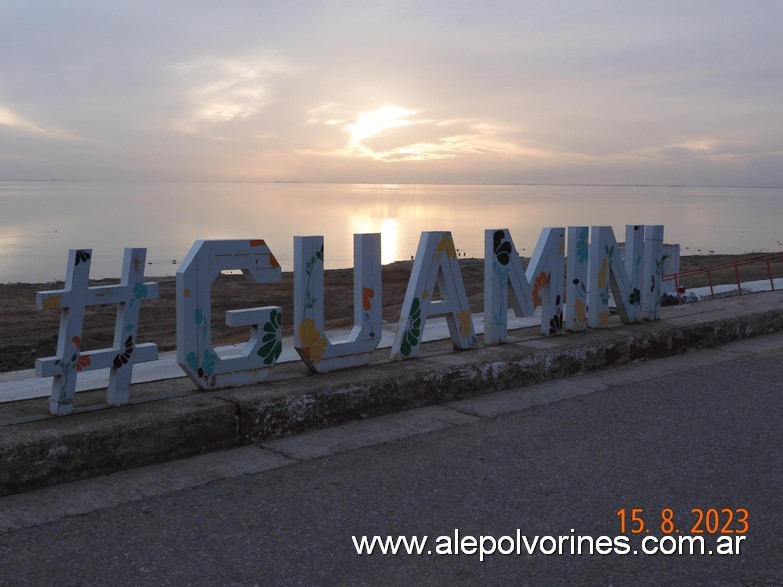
82 256
581 312
204 365
140 291
556 321
410 339
124 356
367 296
309 300
259 242
541 281
52 302
580 305
76 361
502 248
603 275
582 248
656 275
313 344
465 323
272 339
446 245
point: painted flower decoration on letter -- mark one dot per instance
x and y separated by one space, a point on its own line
502 247
412 331
602 274
140 290
271 341
464 323
541 281
581 311
446 245
367 295
82 256
582 248
52 302
313 344
76 361
125 353
556 322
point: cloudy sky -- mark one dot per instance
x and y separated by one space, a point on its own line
395 91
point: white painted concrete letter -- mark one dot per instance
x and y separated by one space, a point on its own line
436 264
70 359
653 271
199 270
576 282
634 283
310 340
546 275
502 266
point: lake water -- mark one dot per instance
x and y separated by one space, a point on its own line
40 221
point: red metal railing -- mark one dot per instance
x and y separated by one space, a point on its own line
767 259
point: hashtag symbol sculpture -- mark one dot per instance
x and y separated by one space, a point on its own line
72 300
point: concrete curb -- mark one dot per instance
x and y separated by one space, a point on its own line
46 452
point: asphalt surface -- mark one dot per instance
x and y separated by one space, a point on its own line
699 430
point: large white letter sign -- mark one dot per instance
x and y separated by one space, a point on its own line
546 274
199 270
624 280
70 359
436 264
576 285
502 266
653 271
317 351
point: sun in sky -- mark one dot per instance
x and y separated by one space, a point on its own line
370 124
384 121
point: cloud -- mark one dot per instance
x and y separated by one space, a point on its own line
221 90
395 134
11 119
435 90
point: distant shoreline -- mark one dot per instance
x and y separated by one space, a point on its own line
412 183
686 259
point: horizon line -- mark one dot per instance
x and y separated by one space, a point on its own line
483 183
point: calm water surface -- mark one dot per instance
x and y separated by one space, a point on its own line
40 221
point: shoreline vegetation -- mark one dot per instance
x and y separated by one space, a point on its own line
27 333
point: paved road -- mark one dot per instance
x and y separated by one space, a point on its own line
699 430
